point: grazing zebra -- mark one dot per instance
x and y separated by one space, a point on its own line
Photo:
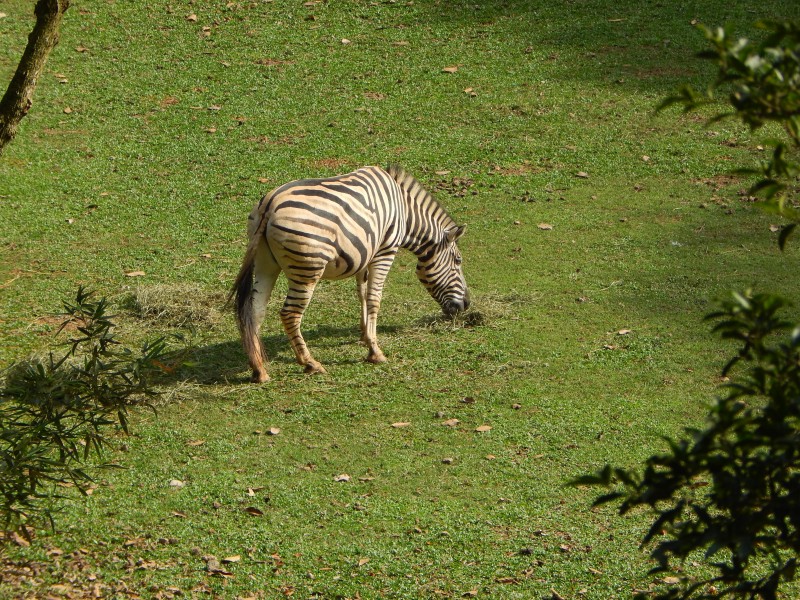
344 226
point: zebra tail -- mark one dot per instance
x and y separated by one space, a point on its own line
240 294
243 284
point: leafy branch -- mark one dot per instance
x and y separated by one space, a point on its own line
731 490
55 412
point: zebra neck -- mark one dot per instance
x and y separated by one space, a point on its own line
424 235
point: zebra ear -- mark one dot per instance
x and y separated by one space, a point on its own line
454 233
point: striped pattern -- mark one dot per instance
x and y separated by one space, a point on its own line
346 226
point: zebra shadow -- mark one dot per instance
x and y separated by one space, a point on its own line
226 362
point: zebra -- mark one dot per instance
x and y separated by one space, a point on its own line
349 225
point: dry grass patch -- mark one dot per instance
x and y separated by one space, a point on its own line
176 305
486 310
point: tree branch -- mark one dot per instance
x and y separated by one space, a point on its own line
18 98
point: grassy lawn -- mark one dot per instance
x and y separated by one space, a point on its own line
156 127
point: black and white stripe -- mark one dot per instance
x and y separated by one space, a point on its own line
346 226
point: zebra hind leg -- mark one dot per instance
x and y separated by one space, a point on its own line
297 301
266 272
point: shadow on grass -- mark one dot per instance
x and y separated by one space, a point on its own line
644 45
226 362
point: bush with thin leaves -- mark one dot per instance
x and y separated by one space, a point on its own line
731 490
762 81
55 412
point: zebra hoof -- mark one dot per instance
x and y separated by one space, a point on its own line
259 377
315 369
376 358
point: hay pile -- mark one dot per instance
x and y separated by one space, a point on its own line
176 305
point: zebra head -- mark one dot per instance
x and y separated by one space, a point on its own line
439 270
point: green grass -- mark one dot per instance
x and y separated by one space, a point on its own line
174 132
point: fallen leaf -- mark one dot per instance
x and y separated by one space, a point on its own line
516 406
448 461
176 483
470 594
211 130
582 175
19 540
342 477
400 43
273 431
135 274
400 424
545 226
362 561
192 18
206 255
231 559
81 49
452 69
252 510
195 442
345 41
671 580
179 514
483 428
646 158
774 228
67 110
451 422
263 180
623 332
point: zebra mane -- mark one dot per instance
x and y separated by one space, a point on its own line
417 192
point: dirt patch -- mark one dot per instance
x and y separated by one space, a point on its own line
333 164
457 186
524 168
718 182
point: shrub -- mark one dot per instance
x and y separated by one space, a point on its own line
55 412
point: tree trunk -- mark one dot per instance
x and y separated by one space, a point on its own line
18 98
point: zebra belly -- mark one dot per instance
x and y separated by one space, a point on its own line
338 269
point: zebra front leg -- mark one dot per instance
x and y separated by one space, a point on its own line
265 273
292 316
370 291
